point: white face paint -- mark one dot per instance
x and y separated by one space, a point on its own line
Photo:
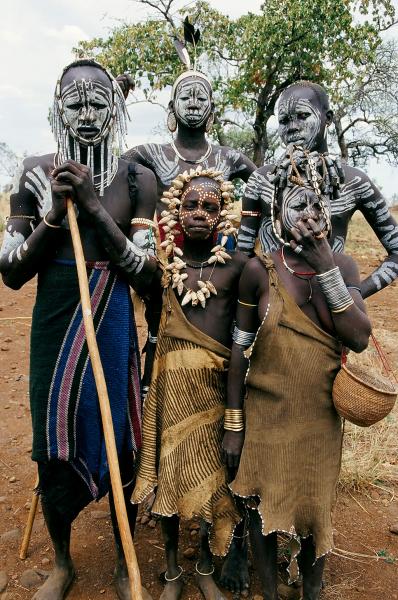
200 208
192 103
300 203
87 106
300 121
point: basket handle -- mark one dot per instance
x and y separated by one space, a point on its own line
382 356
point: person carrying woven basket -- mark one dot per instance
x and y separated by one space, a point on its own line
296 308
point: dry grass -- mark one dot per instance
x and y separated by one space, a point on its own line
370 455
339 591
4 208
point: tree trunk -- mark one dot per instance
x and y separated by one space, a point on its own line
340 137
219 131
261 142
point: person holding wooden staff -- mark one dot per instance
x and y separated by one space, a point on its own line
115 202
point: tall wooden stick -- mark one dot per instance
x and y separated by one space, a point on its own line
106 415
23 552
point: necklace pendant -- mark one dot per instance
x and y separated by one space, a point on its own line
187 298
201 297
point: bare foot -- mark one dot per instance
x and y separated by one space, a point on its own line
235 573
122 586
172 590
287 592
57 584
207 586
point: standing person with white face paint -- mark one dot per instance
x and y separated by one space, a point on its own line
115 203
304 115
190 117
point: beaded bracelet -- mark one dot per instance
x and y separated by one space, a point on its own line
250 213
142 221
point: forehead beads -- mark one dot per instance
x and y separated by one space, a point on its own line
169 219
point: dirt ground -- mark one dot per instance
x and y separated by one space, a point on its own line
365 563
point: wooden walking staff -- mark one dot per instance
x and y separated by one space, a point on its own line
23 552
107 423
106 415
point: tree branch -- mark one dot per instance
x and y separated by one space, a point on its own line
165 12
150 102
387 27
226 121
355 121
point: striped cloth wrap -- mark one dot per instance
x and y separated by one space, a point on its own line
64 403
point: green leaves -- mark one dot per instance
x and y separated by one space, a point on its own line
250 60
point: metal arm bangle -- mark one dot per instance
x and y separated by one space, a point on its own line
250 213
335 290
243 338
50 224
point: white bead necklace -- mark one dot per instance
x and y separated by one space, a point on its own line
192 161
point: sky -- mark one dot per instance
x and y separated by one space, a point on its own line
36 39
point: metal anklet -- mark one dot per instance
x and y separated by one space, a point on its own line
168 579
199 573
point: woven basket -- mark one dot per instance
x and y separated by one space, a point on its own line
362 397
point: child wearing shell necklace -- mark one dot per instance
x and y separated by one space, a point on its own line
185 404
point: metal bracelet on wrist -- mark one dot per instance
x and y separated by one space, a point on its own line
335 290
243 338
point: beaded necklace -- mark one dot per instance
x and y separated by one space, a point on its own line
196 161
305 276
175 274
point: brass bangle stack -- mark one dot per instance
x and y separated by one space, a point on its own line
233 419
